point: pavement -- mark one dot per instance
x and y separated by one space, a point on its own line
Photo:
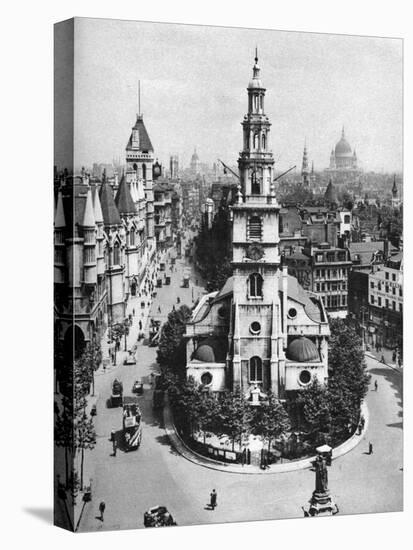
130 483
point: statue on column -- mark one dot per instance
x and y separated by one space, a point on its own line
321 475
321 502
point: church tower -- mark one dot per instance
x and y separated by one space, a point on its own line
258 330
395 201
304 168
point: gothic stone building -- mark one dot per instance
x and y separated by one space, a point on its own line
261 331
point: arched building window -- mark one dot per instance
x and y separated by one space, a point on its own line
144 171
255 282
263 141
132 237
255 183
255 369
116 254
256 140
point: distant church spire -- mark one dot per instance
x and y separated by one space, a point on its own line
304 169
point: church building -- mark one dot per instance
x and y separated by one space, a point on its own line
261 331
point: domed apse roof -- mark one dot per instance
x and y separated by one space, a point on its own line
343 148
211 350
302 350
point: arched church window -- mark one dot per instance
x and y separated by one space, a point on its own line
116 254
255 183
144 171
255 369
135 166
263 141
256 140
255 285
132 237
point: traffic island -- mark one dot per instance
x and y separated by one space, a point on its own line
189 454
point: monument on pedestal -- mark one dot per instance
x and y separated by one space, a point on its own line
321 502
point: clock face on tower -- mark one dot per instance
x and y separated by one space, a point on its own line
255 252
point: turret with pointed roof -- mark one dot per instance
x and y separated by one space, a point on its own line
59 220
110 212
88 215
330 195
124 200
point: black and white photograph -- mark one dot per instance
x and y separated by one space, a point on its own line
228 275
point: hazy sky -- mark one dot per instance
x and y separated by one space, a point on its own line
193 92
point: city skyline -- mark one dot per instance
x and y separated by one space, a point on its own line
316 84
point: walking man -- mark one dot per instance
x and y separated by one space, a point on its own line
382 359
370 448
102 507
213 501
376 386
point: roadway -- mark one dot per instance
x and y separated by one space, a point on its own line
130 483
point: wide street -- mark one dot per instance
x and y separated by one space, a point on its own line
130 483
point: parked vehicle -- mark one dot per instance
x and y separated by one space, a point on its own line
137 387
168 280
158 516
159 283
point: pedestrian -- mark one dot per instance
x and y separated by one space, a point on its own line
178 300
370 448
159 309
376 385
114 446
140 325
102 507
382 359
133 312
394 356
213 501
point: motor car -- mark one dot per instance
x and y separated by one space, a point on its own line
158 516
137 386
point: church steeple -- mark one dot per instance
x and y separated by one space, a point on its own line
394 189
256 160
304 168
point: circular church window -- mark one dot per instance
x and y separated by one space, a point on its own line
223 312
206 378
292 313
255 327
305 377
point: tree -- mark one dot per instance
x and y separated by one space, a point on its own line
84 434
172 350
330 411
270 420
207 410
234 416
347 366
91 359
213 250
63 431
